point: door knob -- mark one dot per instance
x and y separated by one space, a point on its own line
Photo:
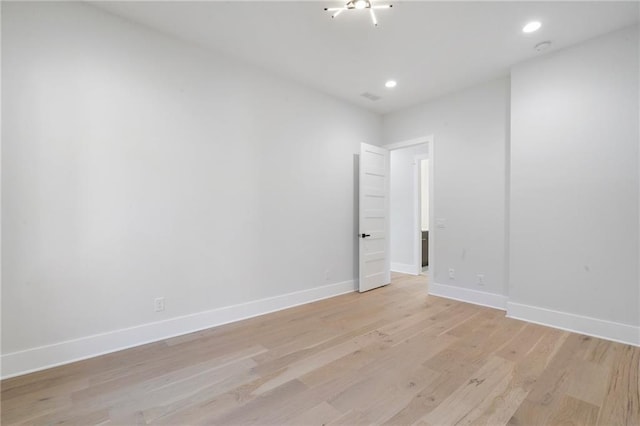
366 235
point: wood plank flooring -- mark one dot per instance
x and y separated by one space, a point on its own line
390 356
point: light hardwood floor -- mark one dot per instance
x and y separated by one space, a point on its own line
390 356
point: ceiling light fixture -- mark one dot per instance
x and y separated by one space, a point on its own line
359 5
390 84
531 27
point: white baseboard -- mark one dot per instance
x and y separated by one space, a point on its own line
404 268
608 330
462 294
43 357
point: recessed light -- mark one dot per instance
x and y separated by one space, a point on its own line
531 27
390 84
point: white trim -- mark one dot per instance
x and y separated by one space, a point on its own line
431 273
40 358
404 268
409 143
462 294
609 330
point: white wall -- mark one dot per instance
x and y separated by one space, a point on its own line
424 195
402 206
135 166
574 183
470 130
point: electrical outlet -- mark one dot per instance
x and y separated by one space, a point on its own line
481 279
159 304
452 274
327 275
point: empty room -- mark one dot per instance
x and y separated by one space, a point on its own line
340 212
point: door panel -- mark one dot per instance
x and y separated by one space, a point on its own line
374 217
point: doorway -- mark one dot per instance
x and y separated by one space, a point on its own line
411 206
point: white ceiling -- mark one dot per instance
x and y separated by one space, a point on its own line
430 48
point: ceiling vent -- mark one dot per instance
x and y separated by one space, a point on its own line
370 96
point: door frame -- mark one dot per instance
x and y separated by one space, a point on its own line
429 140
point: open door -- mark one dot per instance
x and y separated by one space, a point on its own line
374 217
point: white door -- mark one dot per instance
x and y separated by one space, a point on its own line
374 217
